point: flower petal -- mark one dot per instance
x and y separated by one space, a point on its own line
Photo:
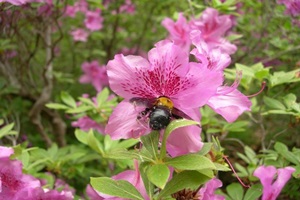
200 84
123 123
184 140
128 76
266 176
284 174
230 105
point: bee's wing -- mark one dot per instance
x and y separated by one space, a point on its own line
178 114
138 101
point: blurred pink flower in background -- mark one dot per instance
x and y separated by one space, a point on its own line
16 185
127 7
93 20
86 123
80 35
94 74
18 2
208 190
267 176
213 29
79 6
179 31
292 6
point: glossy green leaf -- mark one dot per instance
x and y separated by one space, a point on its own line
68 99
6 130
158 174
150 142
102 96
57 106
185 179
94 143
81 136
235 191
254 192
191 162
119 188
148 185
273 103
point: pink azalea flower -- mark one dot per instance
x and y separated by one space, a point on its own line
228 101
16 185
292 6
93 194
267 174
80 35
133 177
127 7
93 20
70 11
95 74
168 73
85 123
213 28
81 6
179 31
207 191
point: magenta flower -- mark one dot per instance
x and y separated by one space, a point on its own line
93 194
95 74
267 174
292 6
80 35
167 73
207 191
93 20
70 11
213 29
18 186
179 31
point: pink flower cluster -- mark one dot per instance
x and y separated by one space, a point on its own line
213 28
93 20
94 74
14 185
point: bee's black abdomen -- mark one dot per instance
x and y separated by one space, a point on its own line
160 117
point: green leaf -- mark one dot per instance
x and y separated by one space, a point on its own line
273 103
175 124
185 179
148 185
6 130
68 99
80 109
220 167
235 191
191 162
102 96
150 142
280 147
121 154
158 175
57 106
205 149
94 143
254 192
81 136
119 188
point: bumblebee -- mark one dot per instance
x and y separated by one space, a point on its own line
160 111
